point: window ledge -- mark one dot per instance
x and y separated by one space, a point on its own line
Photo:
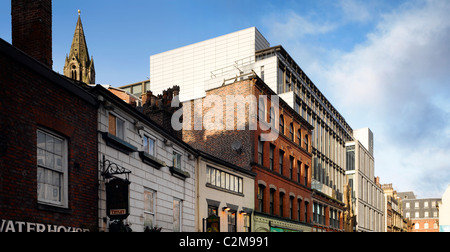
118 143
52 208
179 173
150 160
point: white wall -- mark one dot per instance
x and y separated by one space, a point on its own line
190 66
246 200
143 176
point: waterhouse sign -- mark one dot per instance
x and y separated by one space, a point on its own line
23 226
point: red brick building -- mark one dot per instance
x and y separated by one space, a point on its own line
283 166
48 135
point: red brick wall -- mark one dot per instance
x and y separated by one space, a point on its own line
421 225
283 181
29 101
32 28
218 143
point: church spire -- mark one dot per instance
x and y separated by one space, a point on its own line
79 65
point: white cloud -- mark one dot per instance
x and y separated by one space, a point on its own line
395 83
291 26
356 11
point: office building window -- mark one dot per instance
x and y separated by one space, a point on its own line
291 167
262 109
272 117
261 198
306 174
281 124
260 151
299 137
299 168
281 158
306 212
271 201
272 151
291 207
307 143
291 132
351 160
299 209
281 204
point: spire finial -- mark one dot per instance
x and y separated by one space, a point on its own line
79 12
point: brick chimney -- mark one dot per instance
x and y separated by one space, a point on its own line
159 109
32 28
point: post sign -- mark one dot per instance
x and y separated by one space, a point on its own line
117 199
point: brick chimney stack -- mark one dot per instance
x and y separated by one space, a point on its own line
32 28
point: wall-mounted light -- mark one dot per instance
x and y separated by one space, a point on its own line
243 212
225 209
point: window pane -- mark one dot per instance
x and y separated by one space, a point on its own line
176 216
58 147
41 140
112 125
145 143
223 177
49 144
218 179
120 128
41 157
151 146
49 160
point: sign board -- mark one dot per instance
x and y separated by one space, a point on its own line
7 226
213 224
117 199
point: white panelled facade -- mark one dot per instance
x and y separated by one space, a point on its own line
158 197
190 66
367 195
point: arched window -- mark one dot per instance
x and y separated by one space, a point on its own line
74 72
281 124
291 131
306 142
299 137
261 189
281 204
272 117
262 109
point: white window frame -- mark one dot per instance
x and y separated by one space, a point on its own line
179 215
123 134
145 144
63 171
147 213
176 152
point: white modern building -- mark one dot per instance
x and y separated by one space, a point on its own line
190 67
444 212
159 168
367 194
209 64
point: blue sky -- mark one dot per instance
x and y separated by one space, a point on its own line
383 64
